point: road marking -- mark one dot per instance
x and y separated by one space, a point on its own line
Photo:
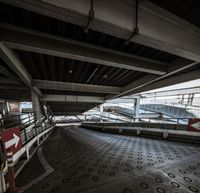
12 142
196 125
46 166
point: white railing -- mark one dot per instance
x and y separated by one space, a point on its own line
26 148
37 139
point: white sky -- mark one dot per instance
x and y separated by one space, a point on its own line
189 84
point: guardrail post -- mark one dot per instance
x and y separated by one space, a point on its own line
2 180
27 153
43 137
38 141
25 135
149 122
35 130
19 119
29 120
138 131
165 134
177 125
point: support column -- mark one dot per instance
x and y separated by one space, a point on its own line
11 172
36 107
3 109
136 108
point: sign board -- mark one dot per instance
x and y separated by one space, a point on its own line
11 140
194 125
14 106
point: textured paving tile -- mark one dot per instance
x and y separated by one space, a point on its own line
87 161
31 171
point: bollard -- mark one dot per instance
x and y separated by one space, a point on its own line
165 134
11 173
2 181
138 131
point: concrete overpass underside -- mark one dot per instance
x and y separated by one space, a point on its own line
53 49
172 111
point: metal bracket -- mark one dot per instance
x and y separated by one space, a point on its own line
136 28
90 17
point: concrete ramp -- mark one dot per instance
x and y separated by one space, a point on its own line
171 111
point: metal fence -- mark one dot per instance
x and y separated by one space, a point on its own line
26 122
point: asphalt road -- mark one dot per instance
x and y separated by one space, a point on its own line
92 162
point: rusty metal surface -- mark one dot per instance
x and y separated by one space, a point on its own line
92 162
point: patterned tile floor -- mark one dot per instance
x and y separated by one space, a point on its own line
86 161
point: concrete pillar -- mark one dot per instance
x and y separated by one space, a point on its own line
36 107
3 109
136 108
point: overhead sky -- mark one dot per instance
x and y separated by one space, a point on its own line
189 84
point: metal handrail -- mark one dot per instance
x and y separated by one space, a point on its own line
18 120
178 122
109 118
23 123
176 104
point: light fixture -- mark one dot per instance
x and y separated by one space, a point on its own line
105 76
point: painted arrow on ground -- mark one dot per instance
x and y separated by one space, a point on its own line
12 142
196 125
